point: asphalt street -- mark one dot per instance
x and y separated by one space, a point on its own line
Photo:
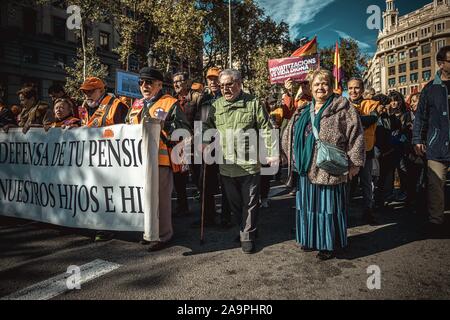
410 265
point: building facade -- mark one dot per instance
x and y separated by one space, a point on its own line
405 60
36 46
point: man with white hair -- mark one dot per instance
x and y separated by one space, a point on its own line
239 112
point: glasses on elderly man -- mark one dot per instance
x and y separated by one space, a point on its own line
145 81
226 85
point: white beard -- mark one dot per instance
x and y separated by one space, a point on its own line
91 104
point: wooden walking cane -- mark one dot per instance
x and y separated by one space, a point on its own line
202 222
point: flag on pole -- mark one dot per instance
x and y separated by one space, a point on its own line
308 49
337 70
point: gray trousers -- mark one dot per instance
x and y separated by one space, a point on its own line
437 175
165 203
242 194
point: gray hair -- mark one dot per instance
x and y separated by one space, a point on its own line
233 73
322 74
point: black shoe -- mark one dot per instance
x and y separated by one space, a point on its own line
305 249
102 236
325 255
144 242
156 246
248 247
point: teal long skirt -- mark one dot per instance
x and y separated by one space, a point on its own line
321 215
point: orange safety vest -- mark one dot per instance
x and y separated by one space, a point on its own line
70 121
159 110
364 109
104 115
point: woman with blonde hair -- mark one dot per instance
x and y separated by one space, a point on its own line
63 114
328 122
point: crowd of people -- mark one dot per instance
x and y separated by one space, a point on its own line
393 149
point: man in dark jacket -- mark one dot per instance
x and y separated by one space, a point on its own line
431 136
209 96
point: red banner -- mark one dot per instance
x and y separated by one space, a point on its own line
296 68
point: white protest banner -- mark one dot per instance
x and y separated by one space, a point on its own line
84 178
295 68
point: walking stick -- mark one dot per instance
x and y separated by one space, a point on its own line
202 222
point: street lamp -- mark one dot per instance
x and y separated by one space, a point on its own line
151 59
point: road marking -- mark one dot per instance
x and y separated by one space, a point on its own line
57 285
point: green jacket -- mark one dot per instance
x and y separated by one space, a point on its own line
243 114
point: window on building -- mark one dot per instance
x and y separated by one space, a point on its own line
391 71
402 79
30 55
391 59
414 77
60 60
414 65
439 27
402 56
109 70
402 68
104 40
391 82
413 53
440 44
426 75
59 28
426 62
29 21
426 48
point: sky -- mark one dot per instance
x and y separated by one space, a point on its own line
331 19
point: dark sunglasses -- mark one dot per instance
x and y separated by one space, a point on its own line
145 81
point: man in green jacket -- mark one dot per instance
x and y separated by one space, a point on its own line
240 120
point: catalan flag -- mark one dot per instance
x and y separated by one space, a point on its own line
308 49
337 70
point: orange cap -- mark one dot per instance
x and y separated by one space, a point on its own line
197 86
213 72
92 83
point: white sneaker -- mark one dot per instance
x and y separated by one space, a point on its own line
264 203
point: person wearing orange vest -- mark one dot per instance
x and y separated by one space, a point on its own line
99 108
367 110
63 113
155 104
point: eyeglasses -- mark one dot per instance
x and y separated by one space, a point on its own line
145 81
89 92
179 81
226 85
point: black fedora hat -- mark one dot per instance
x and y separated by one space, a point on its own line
151 74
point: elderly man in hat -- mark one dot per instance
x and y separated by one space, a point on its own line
99 108
161 106
212 178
